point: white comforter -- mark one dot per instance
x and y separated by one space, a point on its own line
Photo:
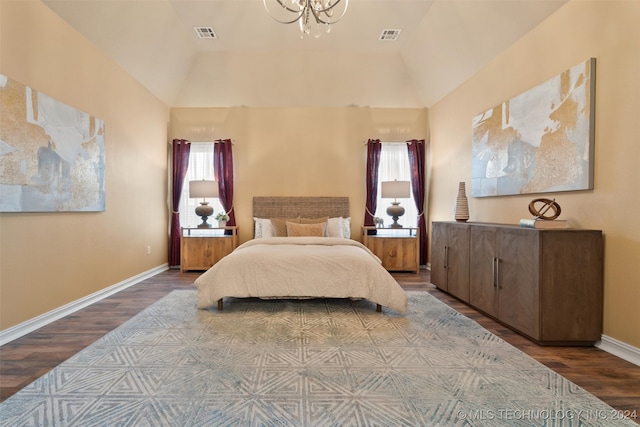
301 267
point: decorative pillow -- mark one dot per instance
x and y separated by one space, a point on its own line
263 228
313 220
298 230
339 227
280 226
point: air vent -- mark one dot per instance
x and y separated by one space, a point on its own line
205 32
389 35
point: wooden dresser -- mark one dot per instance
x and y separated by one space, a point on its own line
545 284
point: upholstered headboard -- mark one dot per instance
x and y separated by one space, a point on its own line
305 207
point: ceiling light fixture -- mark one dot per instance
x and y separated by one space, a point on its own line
305 12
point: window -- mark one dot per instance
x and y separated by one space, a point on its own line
394 164
200 167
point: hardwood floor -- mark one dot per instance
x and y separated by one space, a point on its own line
610 378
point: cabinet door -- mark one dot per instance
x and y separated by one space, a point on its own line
458 261
438 255
218 248
571 285
483 292
411 253
194 253
518 279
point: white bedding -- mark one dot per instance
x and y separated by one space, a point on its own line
301 267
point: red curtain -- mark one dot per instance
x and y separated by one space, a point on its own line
374 147
180 162
223 167
416 149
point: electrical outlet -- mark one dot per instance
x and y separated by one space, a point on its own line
148 250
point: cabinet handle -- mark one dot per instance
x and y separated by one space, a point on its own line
493 271
446 257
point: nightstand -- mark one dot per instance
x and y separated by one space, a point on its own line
398 248
200 248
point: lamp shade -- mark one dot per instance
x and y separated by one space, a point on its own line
395 189
203 189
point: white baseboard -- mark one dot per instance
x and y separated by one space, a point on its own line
620 349
31 325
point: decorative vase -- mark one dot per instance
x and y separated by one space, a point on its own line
204 211
222 224
461 212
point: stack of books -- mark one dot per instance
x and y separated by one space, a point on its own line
544 223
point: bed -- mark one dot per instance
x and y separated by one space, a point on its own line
301 249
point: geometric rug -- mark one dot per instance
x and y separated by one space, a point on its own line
325 362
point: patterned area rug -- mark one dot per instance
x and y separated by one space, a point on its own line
302 363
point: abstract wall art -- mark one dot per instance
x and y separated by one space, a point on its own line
540 141
52 156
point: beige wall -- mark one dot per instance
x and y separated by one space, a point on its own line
298 151
608 31
50 259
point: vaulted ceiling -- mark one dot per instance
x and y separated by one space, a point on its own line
255 61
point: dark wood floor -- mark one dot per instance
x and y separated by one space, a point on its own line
610 378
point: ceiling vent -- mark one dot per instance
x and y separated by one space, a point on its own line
205 32
389 35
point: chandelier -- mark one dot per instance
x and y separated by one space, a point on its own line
323 12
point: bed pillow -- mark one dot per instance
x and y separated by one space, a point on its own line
263 228
339 227
313 230
280 226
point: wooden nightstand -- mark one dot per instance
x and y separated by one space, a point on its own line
398 248
200 248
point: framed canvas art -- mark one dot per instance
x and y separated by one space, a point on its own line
540 141
52 156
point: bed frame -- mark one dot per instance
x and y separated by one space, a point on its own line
304 207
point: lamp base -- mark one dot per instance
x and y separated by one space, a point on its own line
204 211
395 211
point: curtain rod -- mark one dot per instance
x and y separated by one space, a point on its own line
211 142
395 142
